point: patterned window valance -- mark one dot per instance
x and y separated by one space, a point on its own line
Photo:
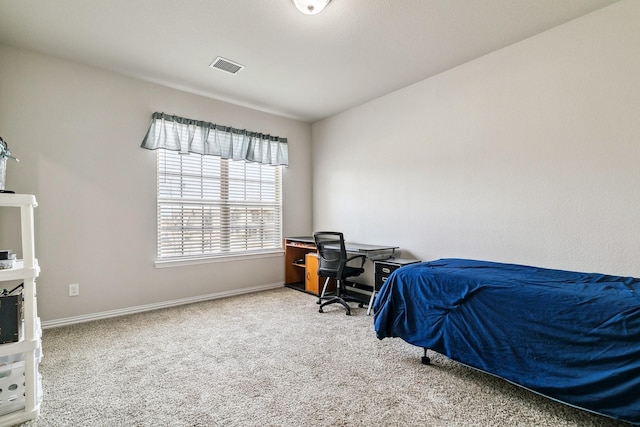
194 136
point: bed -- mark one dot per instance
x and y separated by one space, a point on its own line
573 337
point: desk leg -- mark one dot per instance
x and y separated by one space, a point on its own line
324 289
373 295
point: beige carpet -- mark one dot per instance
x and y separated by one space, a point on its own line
269 359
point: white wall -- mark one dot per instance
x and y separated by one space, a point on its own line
77 131
530 155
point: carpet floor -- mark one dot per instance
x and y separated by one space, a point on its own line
269 359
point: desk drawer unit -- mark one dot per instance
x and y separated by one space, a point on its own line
388 266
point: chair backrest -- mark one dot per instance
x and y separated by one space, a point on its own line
332 254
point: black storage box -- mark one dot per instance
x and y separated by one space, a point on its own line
10 318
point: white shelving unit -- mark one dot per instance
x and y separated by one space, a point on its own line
21 396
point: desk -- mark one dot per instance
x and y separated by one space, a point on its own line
372 252
302 273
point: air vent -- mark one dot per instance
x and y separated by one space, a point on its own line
225 65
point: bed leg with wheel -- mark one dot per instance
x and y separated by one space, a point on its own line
425 358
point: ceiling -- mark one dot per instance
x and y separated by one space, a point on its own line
298 66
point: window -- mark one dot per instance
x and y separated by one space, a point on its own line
219 188
209 206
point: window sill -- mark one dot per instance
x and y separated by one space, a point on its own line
165 263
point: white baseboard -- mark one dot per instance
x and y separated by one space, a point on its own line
148 307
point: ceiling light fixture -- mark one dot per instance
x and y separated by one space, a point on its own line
311 7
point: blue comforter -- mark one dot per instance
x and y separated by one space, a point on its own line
574 337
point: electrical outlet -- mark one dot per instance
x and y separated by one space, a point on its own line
74 290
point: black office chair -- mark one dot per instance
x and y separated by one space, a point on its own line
332 264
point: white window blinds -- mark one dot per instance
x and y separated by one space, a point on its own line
210 206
